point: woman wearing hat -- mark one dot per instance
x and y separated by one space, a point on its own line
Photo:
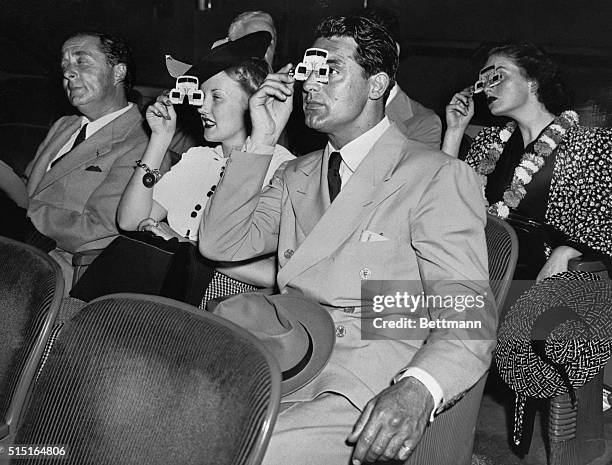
228 75
542 172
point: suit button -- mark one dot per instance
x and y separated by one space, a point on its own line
365 273
284 291
340 331
288 253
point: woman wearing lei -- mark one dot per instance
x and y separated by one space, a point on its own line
541 170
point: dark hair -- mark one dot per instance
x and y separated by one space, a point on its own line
116 50
376 51
250 74
538 66
384 17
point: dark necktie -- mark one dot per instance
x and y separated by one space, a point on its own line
333 175
79 138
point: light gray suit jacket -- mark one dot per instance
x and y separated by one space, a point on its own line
427 205
75 202
416 121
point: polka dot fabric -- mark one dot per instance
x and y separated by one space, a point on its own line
580 203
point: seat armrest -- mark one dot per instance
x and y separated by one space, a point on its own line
588 265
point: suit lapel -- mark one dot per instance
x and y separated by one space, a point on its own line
58 140
371 183
97 145
307 192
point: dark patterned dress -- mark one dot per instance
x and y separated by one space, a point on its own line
568 202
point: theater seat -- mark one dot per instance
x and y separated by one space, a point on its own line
576 429
453 441
31 288
135 379
502 250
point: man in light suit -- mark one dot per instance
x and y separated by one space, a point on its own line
401 211
415 120
82 167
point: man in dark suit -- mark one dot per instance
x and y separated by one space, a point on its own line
80 170
372 206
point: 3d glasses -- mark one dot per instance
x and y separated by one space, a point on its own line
315 60
488 76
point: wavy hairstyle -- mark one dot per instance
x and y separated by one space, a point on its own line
376 50
538 66
250 74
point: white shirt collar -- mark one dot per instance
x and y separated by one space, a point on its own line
94 126
394 91
356 150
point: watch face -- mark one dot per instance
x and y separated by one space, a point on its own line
148 180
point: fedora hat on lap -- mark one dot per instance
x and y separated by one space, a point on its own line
299 334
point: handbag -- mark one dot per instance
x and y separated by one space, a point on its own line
140 262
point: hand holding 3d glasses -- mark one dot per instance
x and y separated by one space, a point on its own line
271 106
460 109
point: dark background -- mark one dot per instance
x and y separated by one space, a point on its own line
438 39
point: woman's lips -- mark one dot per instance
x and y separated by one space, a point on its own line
208 123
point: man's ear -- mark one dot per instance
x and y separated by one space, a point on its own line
119 70
533 87
378 85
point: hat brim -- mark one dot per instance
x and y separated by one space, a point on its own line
321 329
315 320
525 370
226 55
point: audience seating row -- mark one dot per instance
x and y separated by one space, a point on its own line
178 382
129 379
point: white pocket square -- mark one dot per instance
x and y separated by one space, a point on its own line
369 236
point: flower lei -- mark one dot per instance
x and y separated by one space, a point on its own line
530 162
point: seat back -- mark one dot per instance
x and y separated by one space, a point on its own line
31 288
145 379
450 439
502 247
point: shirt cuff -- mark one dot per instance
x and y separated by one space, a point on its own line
428 381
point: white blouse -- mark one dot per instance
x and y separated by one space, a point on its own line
186 188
